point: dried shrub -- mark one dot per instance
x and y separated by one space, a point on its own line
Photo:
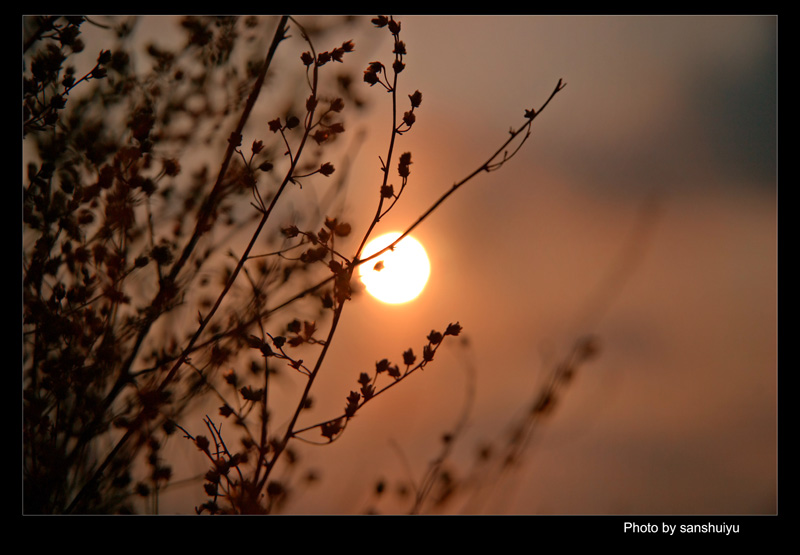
140 297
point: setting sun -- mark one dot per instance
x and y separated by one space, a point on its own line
399 275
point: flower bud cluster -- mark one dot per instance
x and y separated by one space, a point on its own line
367 391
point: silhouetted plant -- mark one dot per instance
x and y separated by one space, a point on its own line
128 232
497 457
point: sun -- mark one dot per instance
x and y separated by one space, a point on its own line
399 275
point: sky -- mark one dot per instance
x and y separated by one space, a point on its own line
642 210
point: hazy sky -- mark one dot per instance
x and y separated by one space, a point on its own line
678 414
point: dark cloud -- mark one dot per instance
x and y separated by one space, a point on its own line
736 109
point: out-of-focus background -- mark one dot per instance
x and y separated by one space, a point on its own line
678 413
642 210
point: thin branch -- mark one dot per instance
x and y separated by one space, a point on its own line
489 165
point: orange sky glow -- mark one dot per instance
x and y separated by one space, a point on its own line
641 211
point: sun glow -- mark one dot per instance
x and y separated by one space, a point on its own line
399 275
